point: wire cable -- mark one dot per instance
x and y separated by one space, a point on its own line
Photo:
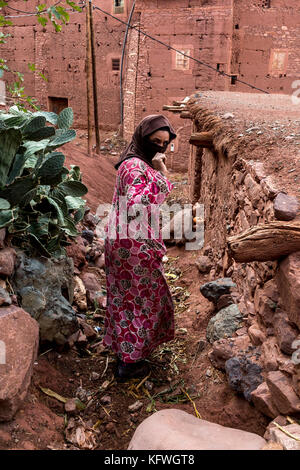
178 51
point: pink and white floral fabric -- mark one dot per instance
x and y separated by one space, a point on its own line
140 309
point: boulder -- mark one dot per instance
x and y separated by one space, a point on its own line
285 207
19 340
46 288
224 323
288 282
283 395
214 289
174 429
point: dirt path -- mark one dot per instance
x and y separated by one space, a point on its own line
181 374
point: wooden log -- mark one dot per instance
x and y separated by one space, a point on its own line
178 103
265 242
186 115
202 139
174 109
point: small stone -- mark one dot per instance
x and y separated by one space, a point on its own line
95 376
4 297
105 385
136 406
70 406
105 400
204 264
82 394
88 235
110 427
148 385
285 207
208 373
228 116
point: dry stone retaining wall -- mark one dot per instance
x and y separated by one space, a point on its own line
237 194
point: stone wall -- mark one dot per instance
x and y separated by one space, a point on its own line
237 194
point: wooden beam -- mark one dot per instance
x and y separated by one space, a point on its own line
173 109
186 115
178 103
265 242
202 139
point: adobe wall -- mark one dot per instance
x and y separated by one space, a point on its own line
182 24
265 45
61 57
237 193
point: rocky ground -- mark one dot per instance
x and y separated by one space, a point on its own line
182 377
74 402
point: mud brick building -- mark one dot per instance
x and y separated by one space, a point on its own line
253 41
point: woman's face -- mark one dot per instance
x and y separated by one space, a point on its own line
161 138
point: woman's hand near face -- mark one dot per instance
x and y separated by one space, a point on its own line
159 163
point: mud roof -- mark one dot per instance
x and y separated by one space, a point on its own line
254 126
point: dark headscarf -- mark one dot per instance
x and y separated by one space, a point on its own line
139 141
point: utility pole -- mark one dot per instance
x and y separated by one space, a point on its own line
88 77
96 118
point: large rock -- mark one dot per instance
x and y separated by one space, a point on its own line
224 323
177 430
288 282
19 340
226 348
265 307
262 400
285 207
283 438
7 261
243 375
46 289
283 395
285 332
214 289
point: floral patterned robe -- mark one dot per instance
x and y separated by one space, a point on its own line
140 309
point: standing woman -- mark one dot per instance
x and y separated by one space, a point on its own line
140 309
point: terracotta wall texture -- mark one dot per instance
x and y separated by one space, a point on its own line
256 41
